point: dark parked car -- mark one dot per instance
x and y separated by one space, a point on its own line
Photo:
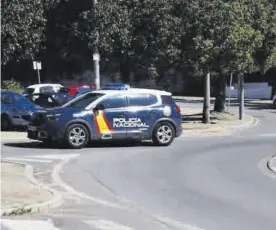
13 107
49 100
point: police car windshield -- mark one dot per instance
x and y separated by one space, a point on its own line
84 101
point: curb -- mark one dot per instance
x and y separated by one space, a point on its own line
36 207
271 164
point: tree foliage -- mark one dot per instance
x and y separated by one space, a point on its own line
23 24
199 36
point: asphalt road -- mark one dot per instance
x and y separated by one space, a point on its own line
209 183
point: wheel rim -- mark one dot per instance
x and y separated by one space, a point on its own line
77 136
164 134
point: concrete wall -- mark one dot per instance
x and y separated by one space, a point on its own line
253 91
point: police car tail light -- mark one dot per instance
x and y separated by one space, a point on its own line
177 109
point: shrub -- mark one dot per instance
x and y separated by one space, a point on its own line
12 85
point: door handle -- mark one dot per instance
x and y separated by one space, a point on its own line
122 115
153 112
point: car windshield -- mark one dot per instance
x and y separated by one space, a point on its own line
83 101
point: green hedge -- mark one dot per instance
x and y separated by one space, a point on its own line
12 85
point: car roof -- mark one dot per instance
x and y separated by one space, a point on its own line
133 91
45 84
9 92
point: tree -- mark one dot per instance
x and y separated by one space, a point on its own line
265 22
137 34
23 25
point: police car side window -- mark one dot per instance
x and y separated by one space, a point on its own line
113 102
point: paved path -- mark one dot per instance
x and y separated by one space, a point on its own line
196 183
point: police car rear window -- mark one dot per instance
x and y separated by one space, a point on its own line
141 99
167 100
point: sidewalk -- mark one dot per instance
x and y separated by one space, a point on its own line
17 191
6 136
221 123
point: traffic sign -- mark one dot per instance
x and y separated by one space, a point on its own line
37 65
96 57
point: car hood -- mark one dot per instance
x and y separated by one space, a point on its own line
64 110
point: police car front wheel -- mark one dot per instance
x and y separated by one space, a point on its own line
163 134
77 136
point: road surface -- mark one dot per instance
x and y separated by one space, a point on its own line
209 183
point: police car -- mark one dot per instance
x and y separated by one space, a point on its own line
140 114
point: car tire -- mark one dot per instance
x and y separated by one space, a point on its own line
77 136
5 123
163 134
274 104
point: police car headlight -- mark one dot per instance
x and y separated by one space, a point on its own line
53 116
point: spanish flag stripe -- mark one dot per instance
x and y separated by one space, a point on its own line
96 123
103 127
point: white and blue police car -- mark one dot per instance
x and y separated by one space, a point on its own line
140 114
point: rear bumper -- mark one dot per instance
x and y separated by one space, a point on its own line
178 131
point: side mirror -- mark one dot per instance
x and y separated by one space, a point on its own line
99 107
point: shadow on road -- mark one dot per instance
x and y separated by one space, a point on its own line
98 144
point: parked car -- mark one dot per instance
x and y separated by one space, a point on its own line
110 115
274 101
44 100
74 88
116 86
13 107
42 88
81 91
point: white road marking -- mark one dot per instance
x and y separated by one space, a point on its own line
54 157
107 225
26 159
57 179
178 225
28 224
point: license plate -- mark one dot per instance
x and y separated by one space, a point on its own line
32 128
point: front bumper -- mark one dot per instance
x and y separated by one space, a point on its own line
45 132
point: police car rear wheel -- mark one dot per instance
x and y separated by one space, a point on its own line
163 134
77 136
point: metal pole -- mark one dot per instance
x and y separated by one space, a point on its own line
229 92
96 60
38 75
206 109
241 97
